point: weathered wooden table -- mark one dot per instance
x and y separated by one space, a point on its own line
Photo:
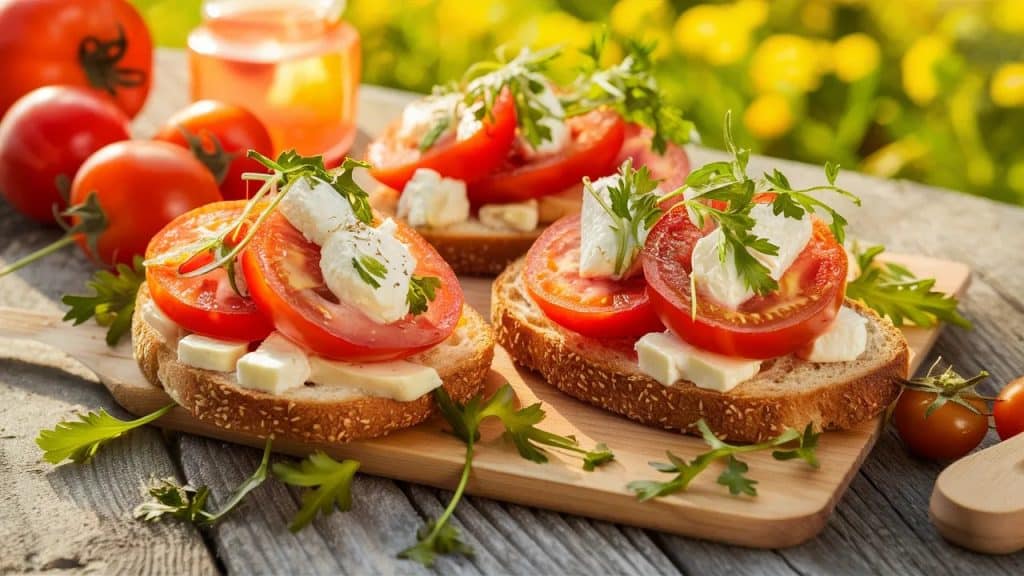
77 518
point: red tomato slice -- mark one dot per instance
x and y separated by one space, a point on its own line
596 307
207 304
809 298
671 168
596 138
282 270
395 160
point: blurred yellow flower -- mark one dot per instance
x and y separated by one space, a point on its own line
749 14
918 67
1007 88
556 29
372 14
817 16
635 18
1008 16
468 19
784 63
769 116
710 32
855 56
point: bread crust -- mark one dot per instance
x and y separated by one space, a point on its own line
605 374
216 398
472 254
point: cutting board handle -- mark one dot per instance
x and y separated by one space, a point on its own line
25 324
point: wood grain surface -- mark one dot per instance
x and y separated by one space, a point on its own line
880 526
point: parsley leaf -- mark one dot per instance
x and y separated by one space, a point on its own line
734 476
332 481
79 440
894 292
113 301
370 270
422 291
633 207
188 503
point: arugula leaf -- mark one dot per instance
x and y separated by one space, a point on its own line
894 292
333 482
79 440
631 89
188 503
633 207
370 270
437 129
422 291
734 476
112 302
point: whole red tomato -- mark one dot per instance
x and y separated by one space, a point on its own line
1008 410
948 433
98 44
126 192
220 135
45 137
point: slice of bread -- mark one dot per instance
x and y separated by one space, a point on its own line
788 392
314 413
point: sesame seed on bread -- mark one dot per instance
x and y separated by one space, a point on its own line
788 391
314 413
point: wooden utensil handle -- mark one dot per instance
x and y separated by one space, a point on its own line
16 323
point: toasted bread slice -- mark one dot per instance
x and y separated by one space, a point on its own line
473 249
788 392
314 413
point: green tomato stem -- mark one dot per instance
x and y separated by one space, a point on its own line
463 481
41 253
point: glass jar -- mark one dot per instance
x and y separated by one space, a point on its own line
294 63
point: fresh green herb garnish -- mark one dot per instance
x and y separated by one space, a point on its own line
290 166
894 292
439 127
947 386
440 537
189 504
422 291
79 440
370 270
630 89
734 476
330 480
113 301
633 207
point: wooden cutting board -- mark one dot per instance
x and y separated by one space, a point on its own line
793 502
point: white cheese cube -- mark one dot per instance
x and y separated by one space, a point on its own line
316 209
168 330
845 340
210 354
385 302
518 216
275 367
598 240
668 359
791 235
399 379
715 278
430 200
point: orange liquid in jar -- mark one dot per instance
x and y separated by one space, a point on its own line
298 72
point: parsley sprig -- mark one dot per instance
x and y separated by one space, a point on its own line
789 445
631 89
168 498
894 292
947 386
328 483
633 207
112 302
79 440
438 536
422 291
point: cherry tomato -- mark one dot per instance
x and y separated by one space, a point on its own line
810 295
102 45
220 135
948 433
282 270
206 304
597 307
394 160
45 137
140 186
672 167
1008 409
596 139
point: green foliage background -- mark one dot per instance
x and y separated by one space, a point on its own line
931 90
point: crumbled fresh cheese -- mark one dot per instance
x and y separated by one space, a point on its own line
209 353
518 216
398 379
721 280
275 367
430 200
845 340
421 115
598 240
554 120
316 209
668 359
385 302
168 330
469 124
